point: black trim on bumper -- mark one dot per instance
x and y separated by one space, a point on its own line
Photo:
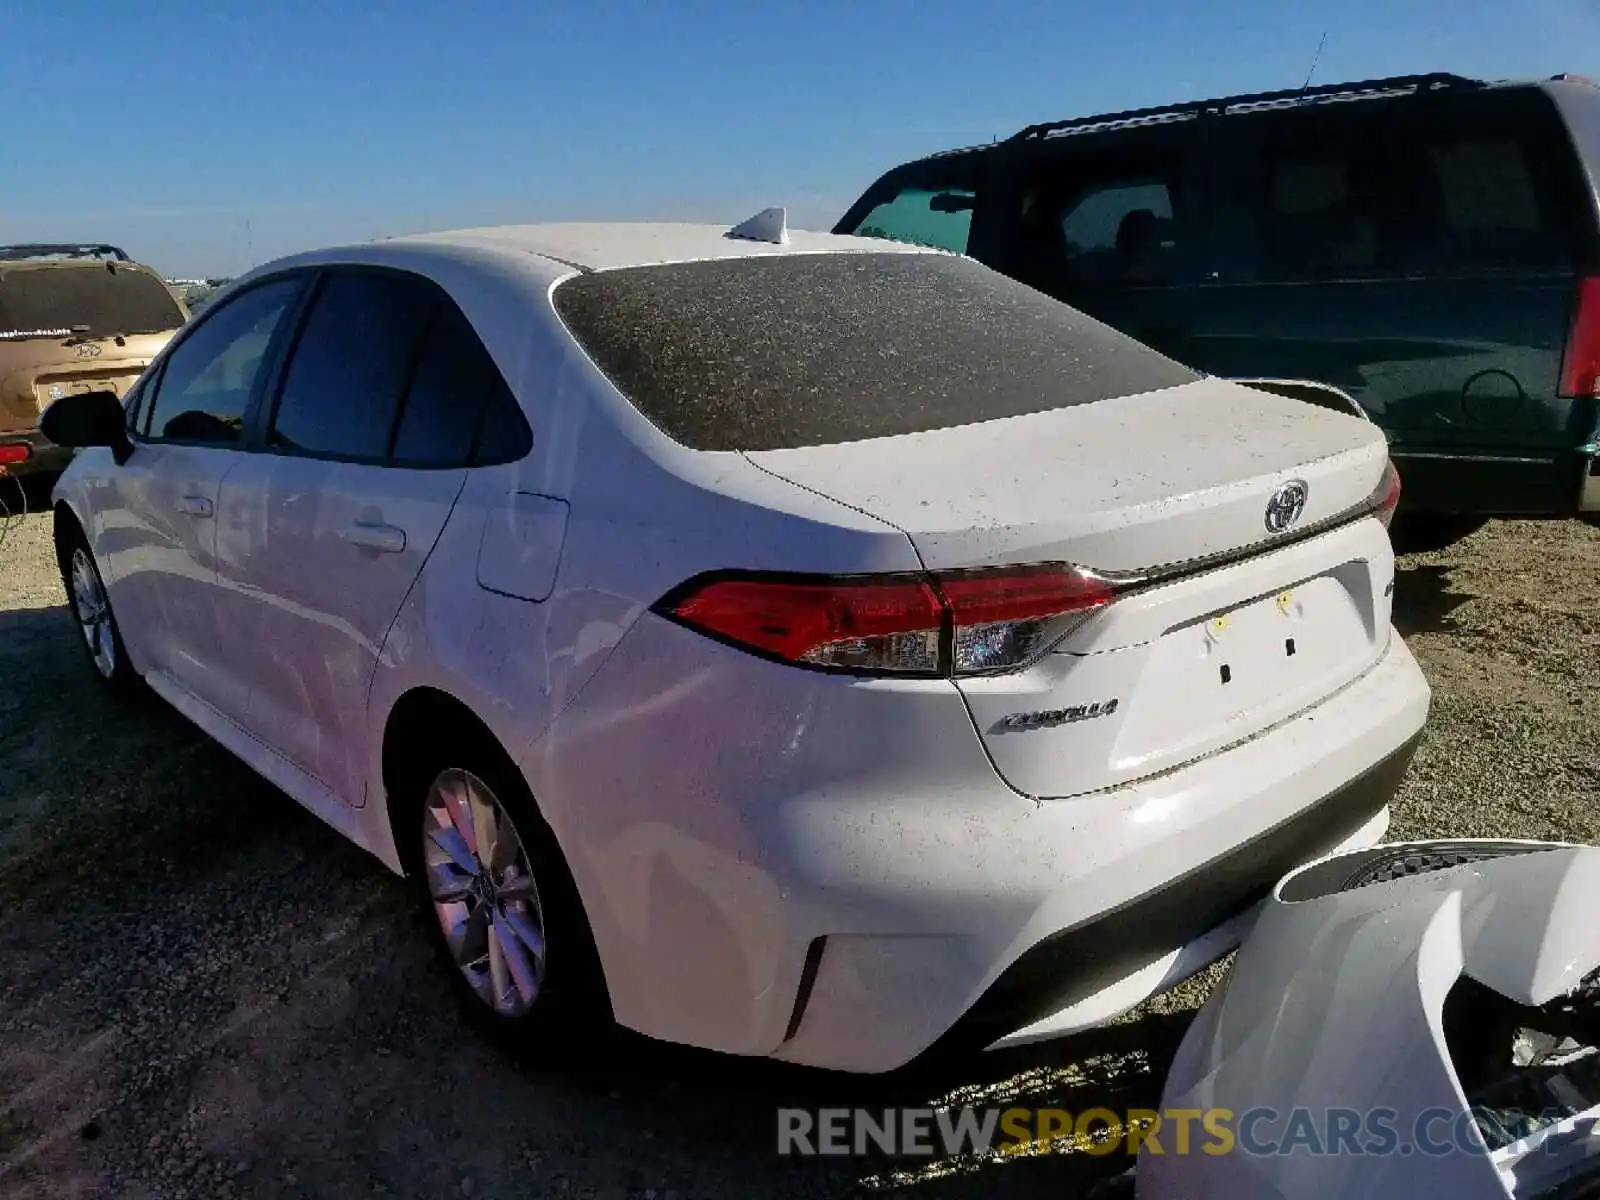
1075 963
1540 485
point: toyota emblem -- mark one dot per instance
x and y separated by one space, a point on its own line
1286 505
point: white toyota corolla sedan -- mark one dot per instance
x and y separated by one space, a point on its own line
790 644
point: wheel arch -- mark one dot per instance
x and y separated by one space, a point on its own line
64 518
417 721
418 717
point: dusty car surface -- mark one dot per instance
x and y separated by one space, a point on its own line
73 319
1418 1019
795 645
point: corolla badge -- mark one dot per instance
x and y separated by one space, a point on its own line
1060 716
1286 505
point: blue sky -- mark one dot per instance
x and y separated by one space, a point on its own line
206 137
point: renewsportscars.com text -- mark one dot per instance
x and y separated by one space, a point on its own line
930 1132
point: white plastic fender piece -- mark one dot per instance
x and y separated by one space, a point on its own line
1411 1020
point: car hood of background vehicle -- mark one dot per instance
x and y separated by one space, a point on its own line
1123 484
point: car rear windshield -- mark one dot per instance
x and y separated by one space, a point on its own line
109 300
776 352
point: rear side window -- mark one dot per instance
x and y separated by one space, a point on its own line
1094 219
797 350
1402 189
388 370
458 407
350 366
103 298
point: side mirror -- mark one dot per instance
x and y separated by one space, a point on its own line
88 419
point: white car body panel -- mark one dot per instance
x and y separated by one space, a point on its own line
164 559
1336 1001
317 556
1159 478
824 868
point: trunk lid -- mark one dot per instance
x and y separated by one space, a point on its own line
1183 668
1126 484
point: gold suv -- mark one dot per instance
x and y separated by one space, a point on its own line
73 318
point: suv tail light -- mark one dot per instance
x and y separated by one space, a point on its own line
1386 496
14 452
955 623
1580 364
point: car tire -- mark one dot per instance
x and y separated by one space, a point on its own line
90 606
519 893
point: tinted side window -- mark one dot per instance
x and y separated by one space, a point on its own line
341 391
1091 219
1488 203
1122 232
205 387
1400 189
456 391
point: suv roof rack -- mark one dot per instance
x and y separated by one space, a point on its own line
1398 84
100 250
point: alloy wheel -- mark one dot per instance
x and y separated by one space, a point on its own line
483 892
93 613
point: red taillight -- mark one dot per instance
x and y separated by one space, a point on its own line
1006 617
958 623
890 624
1386 496
1580 365
14 453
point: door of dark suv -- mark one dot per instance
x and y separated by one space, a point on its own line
1422 255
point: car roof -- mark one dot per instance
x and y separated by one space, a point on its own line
605 246
1397 87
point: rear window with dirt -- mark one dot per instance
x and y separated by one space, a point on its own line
106 298
781 351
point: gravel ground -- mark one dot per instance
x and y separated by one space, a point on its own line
207 993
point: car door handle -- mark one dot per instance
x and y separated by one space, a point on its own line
375 535
195 506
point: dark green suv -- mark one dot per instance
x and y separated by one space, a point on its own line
1430 244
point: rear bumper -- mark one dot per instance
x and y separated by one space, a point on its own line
1053 986
42 454
1485 485
1143 885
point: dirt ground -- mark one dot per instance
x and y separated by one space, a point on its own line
205 992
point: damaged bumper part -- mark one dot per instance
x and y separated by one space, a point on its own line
1408 1020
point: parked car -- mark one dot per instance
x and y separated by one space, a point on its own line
793 645
1414 1020
1429 244
73 318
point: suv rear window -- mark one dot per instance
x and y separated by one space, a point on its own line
776 352
109 300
